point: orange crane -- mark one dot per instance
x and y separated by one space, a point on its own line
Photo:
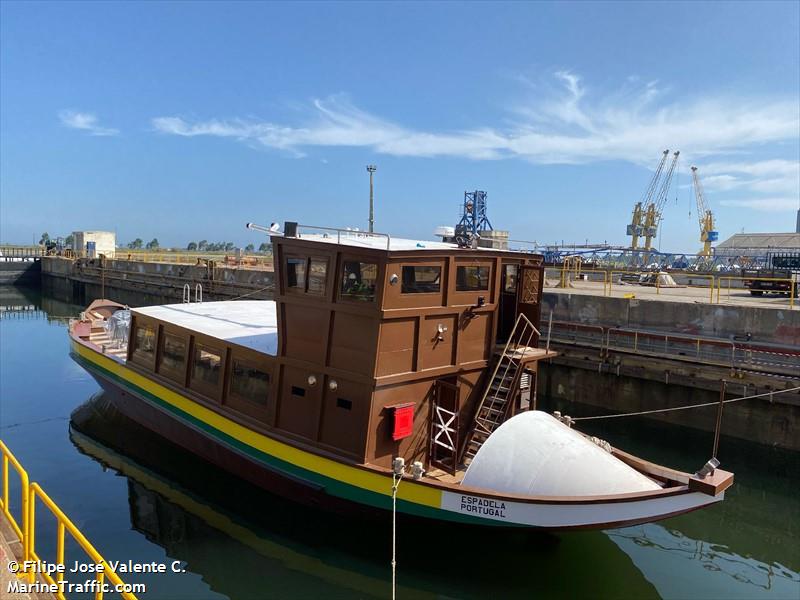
704 216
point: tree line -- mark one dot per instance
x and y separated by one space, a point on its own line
201 246
206 246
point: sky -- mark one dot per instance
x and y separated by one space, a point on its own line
183 121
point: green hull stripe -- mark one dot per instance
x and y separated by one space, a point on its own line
331 486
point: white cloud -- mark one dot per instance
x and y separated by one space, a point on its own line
561 121
85 122
765 204
778 178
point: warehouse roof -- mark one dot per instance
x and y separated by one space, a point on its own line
761 240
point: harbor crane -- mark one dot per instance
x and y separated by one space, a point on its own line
653 211
704 216
636 227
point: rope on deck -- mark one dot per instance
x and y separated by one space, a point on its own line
704 404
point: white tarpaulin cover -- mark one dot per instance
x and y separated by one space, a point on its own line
535 454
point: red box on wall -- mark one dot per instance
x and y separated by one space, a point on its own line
402 420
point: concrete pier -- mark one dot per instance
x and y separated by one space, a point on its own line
151 282
589 370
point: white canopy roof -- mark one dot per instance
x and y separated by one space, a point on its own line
534 454
249 323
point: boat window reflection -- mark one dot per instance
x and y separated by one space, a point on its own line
423 279
316 276
249 383
207 365
145 342
358 280
472 279
296 273
173 354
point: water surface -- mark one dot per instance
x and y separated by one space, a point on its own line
138 497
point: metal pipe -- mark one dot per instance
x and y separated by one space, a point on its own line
719 418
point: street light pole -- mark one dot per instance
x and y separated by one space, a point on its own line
371 169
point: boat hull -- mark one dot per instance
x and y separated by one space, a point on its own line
320 481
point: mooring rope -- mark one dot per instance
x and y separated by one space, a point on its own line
663 410
396 478
251 293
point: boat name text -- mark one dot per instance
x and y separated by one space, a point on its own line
483 506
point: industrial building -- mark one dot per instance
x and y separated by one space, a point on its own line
757 244
91 244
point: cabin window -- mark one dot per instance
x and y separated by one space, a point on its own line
296 273
298 391
144 342
207 365
249 383
472 279
344 403
421 279
173 354
358 280
317 269
510 278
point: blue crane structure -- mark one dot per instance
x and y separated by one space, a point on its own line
473 215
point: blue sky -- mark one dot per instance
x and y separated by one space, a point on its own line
183 121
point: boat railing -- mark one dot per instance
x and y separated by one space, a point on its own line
26 532
345 233
340 232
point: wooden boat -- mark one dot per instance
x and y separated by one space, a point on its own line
377 349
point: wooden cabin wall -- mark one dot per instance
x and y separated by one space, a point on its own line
384 352
413 354
330 340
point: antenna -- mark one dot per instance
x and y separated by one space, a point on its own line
371 169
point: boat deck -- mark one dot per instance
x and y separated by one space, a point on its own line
446 477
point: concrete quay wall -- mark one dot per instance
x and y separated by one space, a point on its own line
767 325
137 283
20 272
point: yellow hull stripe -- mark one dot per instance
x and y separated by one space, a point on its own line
373 482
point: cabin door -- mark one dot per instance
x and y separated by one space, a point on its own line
444 443
507 309
529 295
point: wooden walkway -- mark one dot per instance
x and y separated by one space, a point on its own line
11 550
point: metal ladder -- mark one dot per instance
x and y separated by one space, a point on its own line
503 387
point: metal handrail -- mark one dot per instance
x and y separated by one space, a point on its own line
19 529
339 231
526 324
64 525
716 351
26 532
743 279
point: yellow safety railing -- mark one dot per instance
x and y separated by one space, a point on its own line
611 278
743 279
710 286
594 271
188 257
20 529
564 274
711 283
27 533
